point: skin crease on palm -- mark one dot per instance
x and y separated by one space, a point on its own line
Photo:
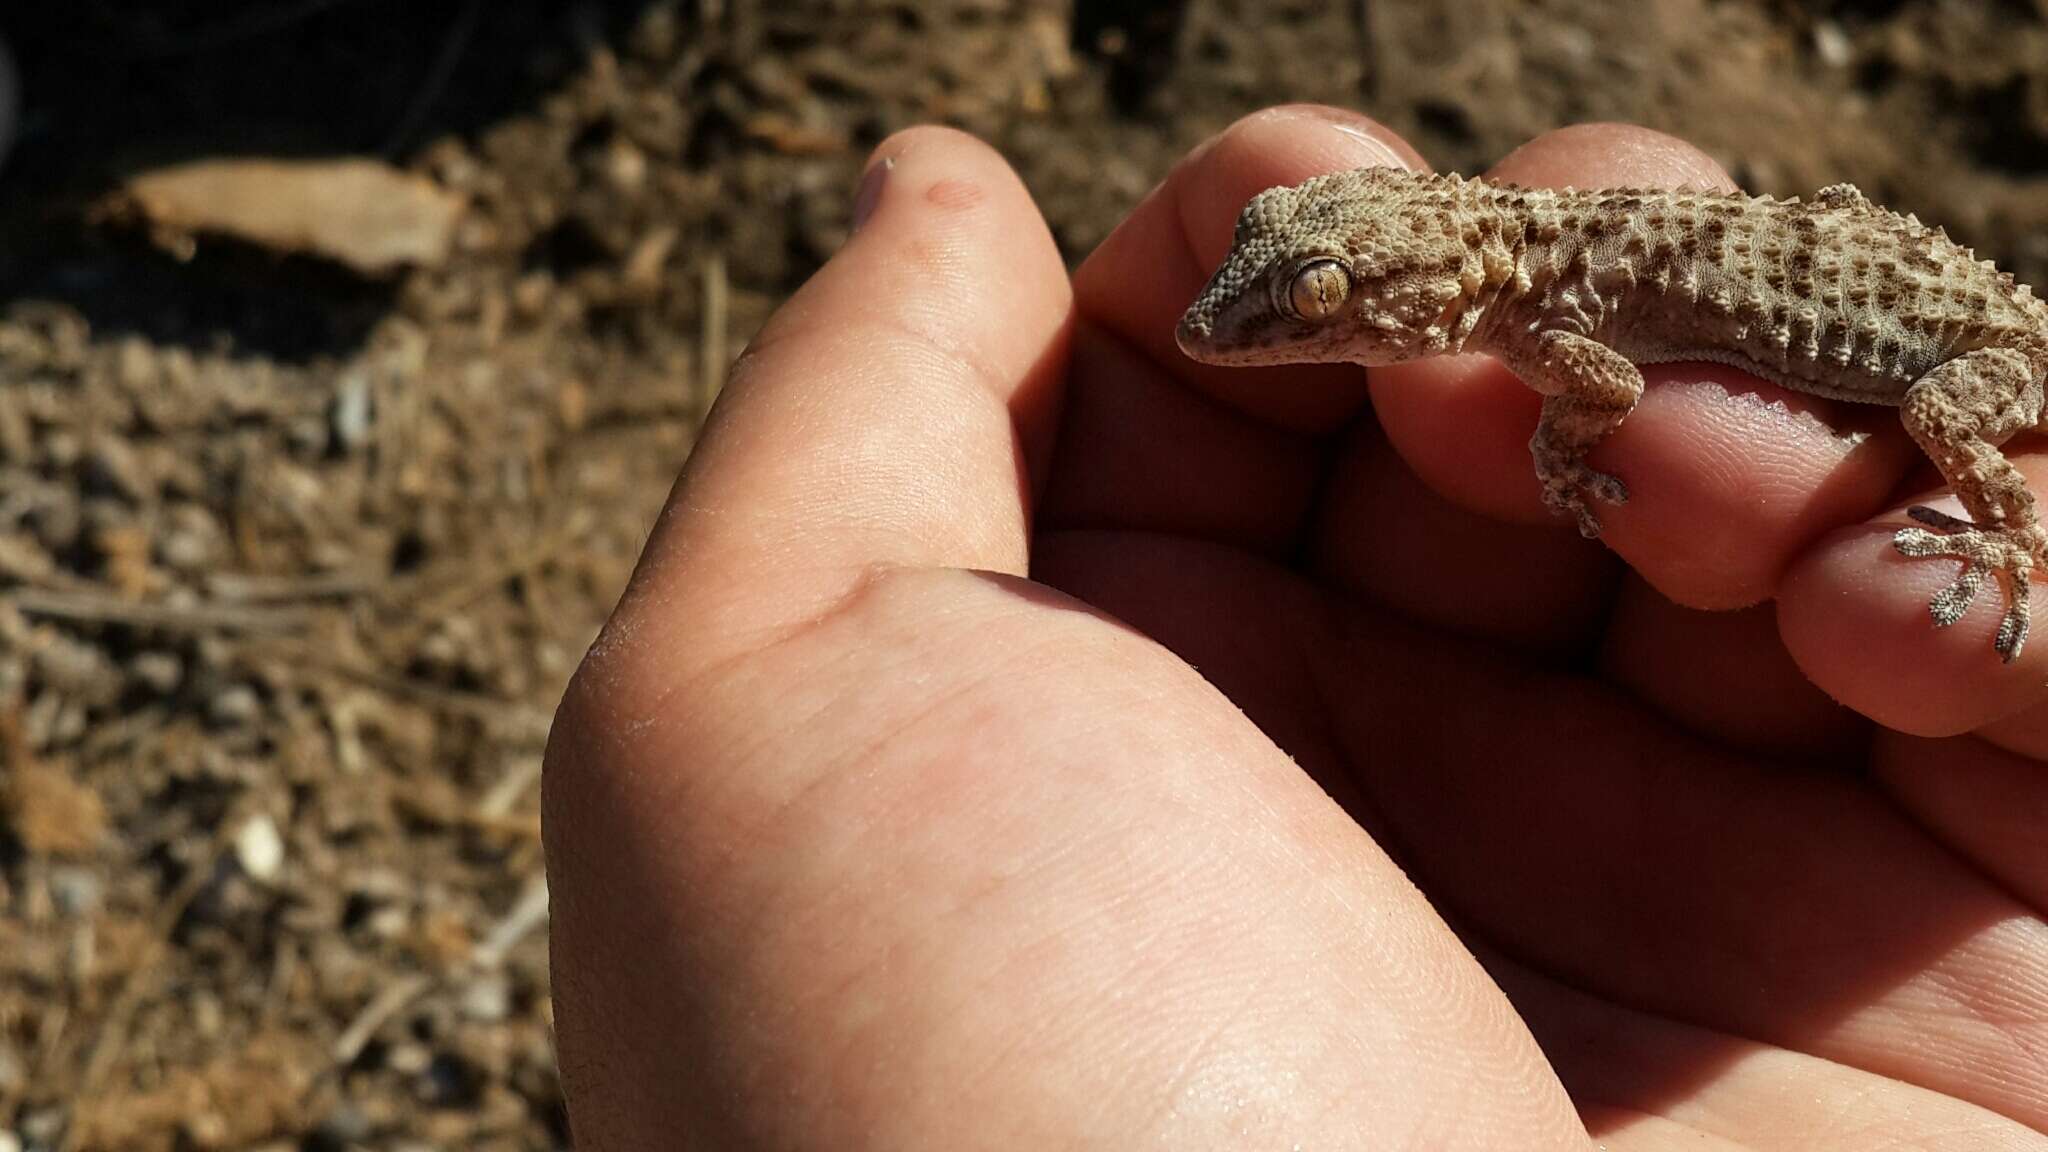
1018 736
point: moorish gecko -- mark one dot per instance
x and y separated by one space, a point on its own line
1837 297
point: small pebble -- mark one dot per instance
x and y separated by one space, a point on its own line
308 435
347 1124
259 849
350 416
625 166
188 549
135 364
112 467
408 1059
530 294
62 448
388 922
1832 44
234 706
13 1070
42 1128
208 1015
487 998
158 672
75 891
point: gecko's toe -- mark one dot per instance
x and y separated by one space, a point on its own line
1571 490
1934 518
1569 502
1919 542
2012 631
1951 602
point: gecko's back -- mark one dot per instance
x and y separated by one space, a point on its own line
1833 296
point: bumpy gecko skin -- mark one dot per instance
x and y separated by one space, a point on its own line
1572 289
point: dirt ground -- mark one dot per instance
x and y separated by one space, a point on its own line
294 561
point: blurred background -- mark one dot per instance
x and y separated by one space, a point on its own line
349 347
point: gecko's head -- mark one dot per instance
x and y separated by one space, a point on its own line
1359 266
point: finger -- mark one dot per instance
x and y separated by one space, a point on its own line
1727 677
1656 870
1854 614
891 414
2024 732
1989 805
1647 1084
1140 450
1136 284
1391 541
1729 476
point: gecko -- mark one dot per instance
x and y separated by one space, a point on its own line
1834 296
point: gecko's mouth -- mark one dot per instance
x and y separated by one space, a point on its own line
1193 334
1210 334
1209 337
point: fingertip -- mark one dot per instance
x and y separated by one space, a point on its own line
1611 155
1275 146
931 183
896 411
1853 613
1136 284
1732 478
1725 675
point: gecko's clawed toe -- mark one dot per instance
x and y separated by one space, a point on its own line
1986 553
2012 630
1606 487
1949 604
1568 489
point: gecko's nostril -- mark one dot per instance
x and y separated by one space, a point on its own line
1192 333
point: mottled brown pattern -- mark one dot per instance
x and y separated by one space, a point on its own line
1572 289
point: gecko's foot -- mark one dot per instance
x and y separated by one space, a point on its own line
1987 553
1567 486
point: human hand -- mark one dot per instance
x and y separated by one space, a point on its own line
860 839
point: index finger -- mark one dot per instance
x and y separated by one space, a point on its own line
1137 282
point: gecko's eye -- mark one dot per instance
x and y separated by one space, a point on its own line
1318 290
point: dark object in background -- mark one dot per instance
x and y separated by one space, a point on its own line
114 85
10 101
1136 38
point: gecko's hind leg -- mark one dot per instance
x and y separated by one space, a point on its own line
1958 414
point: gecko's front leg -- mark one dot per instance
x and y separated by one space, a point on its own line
1588 389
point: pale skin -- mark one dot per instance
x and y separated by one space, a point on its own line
1018 736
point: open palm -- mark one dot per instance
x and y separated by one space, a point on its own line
1018 736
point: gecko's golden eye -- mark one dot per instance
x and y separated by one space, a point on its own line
1318 290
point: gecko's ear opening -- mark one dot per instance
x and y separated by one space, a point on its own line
1317 291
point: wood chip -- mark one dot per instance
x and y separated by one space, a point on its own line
361 213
